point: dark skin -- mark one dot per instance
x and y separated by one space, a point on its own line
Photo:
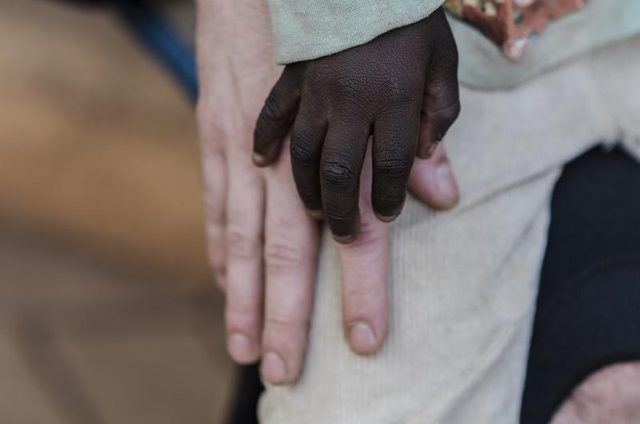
401 88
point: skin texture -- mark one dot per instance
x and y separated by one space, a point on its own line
401 89
250 212
610 395
262 243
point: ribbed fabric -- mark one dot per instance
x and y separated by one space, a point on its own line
463 283
308 29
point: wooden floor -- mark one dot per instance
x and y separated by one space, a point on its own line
107 311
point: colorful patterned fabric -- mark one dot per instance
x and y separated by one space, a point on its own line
511 24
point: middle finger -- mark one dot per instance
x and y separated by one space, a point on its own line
291 238
364 276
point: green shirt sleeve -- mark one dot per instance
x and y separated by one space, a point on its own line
308 29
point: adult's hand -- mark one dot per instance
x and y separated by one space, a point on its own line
262 243
385 88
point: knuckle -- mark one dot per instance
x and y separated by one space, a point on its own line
241 244
347 86
392 168
241 317
399 91
282 256
300 153
338 176
238 312
282 319
278 320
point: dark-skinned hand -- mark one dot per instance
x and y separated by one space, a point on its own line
401 88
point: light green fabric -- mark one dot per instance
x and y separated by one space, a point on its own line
308 29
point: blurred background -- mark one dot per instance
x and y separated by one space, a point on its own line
107 310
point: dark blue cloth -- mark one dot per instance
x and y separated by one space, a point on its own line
151 29
588 304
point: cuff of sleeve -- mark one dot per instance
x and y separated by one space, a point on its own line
309 29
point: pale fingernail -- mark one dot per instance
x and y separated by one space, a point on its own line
446 184
241 349
258 159
344 239
385 218
317 215
361 337
272 368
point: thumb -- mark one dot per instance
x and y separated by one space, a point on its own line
441 103
432 180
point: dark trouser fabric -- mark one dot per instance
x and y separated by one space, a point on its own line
244 409
588 308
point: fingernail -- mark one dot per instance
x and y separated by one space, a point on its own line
318 215
241 349
272 368
446 184
258 159
344 239
361 338
385 218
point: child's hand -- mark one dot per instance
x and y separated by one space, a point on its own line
402 88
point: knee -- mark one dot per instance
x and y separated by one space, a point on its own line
611 394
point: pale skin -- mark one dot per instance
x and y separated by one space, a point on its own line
262 243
